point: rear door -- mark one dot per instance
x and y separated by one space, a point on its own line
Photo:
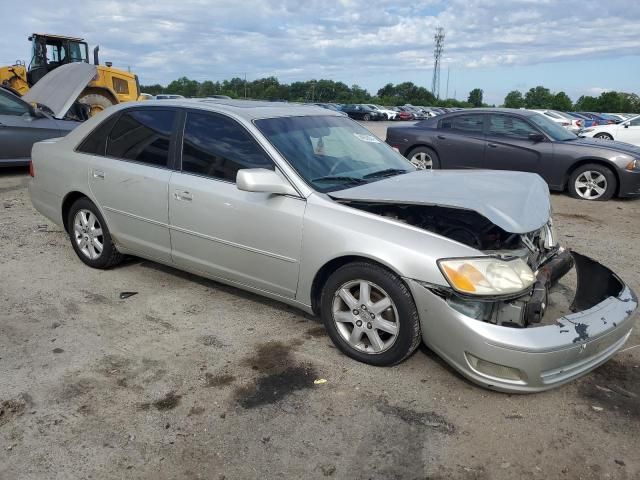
509 146
130 180
249 238
19 130
459 141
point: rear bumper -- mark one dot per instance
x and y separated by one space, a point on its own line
535 358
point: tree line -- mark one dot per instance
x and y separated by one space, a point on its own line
330 91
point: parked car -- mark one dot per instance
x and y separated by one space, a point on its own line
362 112
42 113
586 121
418 114
507 139
564 120
168 96
311 209
404 113
330 106
598 118
386 113
627 131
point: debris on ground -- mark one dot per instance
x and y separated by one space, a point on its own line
320 381
125 295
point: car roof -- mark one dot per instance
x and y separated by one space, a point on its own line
247 109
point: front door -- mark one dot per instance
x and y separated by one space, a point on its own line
130 183
630 133
509 146
249 238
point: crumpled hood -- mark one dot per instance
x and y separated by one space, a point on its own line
615 146
517 202
59 88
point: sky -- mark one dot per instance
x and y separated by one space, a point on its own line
581 47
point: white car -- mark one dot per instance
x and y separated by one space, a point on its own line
627 131
390 114
570 123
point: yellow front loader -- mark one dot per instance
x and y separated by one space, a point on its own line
109 87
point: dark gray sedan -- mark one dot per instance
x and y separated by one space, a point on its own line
508 139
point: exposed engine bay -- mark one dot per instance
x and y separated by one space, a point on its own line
539 249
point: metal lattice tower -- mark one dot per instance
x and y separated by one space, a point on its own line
437 54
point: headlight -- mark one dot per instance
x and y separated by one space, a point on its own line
487 276
633 165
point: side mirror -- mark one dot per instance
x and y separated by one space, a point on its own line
626 124
263 180
536 137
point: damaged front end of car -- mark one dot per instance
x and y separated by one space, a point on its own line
527 315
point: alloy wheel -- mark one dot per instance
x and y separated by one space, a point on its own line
365 316
591 185
87 233
422 161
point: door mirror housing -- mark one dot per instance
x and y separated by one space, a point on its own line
536 137
263 180
626 124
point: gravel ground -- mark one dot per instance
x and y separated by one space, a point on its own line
192 379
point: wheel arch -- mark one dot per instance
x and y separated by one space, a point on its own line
69 199
423 145
597 161
105 91
323 273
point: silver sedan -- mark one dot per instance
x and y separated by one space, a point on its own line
302 205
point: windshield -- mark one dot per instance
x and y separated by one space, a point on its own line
332 153
552 129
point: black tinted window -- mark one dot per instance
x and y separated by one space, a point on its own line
143 136
508 126
96 142
463 123
218 147
11 105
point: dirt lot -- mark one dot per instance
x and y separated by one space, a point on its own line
192 379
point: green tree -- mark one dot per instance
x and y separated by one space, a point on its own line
183 86
475 97
538 97
562 102
154 89
514 99
207 88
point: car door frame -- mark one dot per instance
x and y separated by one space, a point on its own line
220 275
442 136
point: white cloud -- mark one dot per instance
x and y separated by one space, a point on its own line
165 39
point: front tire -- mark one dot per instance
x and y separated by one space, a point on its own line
424 158
370 315
90 237
366 117
603 136
96 102
592 182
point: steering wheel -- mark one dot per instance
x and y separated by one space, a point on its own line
336 165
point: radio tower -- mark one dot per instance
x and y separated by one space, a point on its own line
437 54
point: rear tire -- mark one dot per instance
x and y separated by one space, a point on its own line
377 324
424 158
97 102
90 237
592 182
366 117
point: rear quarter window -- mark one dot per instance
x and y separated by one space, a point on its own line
96 142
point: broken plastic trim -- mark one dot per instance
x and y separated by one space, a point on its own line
595 283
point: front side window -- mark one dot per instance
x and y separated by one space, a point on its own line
143 136
551 128
332 153
217 146
463 123
509 126
635 122
9 105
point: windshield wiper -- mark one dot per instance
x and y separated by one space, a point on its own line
340 178
388 172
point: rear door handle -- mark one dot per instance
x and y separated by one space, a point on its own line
493 145
98 174
181 195
442 137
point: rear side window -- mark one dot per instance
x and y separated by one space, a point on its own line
10 105
143 136
216 146
96 142
463 123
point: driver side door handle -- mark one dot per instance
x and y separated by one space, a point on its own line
492 145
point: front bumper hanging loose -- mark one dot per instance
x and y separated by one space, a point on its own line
541 357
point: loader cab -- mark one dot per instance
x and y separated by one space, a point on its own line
52 51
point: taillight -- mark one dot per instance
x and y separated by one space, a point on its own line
32 172
579 123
